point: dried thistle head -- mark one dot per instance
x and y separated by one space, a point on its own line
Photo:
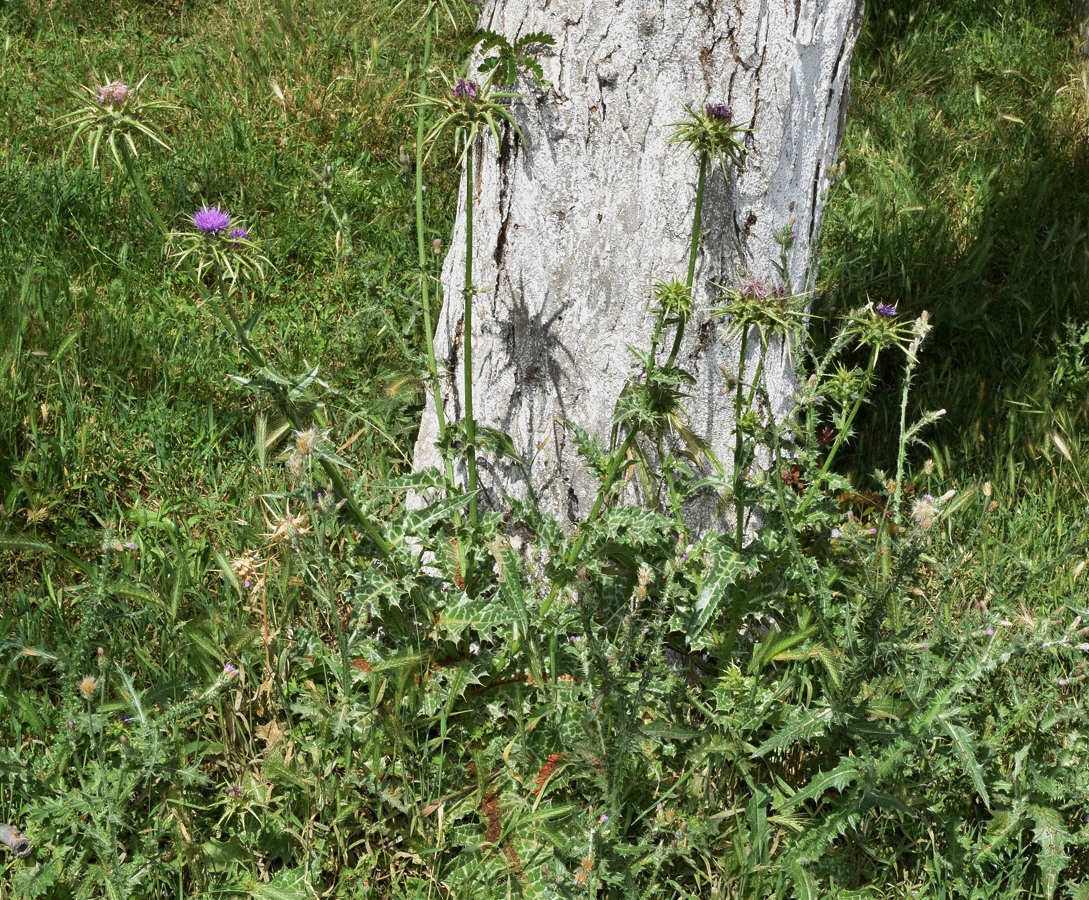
306 441
287 527
247 569
88 686
116 114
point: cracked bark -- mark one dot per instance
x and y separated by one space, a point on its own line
576 224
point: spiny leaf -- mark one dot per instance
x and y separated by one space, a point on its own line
482 615
846 773
812 845
1051 837
590 449
964 750
802 726
23 544
286 885
419 522
417 481
805 885
726 565
1004 822
497 442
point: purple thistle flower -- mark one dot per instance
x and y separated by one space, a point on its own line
754 289
114 93
720 111
465 89
229 670
886 310
234 790
238 234
211 219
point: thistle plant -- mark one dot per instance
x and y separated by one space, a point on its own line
218 243
652 404
468 109
713 137
116 115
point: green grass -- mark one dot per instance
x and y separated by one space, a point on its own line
356 727
964 194
98 323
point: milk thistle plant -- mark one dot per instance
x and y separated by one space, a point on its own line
468 109
217 242
117 115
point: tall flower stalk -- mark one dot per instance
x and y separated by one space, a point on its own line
713 137
469 109
421 245
467 339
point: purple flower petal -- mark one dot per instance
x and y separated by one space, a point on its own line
211 220
465 90
114 93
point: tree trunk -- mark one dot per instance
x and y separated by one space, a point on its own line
578 219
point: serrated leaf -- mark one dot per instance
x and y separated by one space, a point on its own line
285 885
964 750
481 615
805 885
419 522
802 725
512 586
812 845
497 442
416 481
534 37
24 545
29 545
1051 839
634 522
1080 891
589 448
836 779
1003 824
726 565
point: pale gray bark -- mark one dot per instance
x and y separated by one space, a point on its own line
574 225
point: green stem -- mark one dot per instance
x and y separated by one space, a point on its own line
671 487
697 217
615 465
739 441
421 253
693 252
901 450
840 438
465 554
467 336
140 188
